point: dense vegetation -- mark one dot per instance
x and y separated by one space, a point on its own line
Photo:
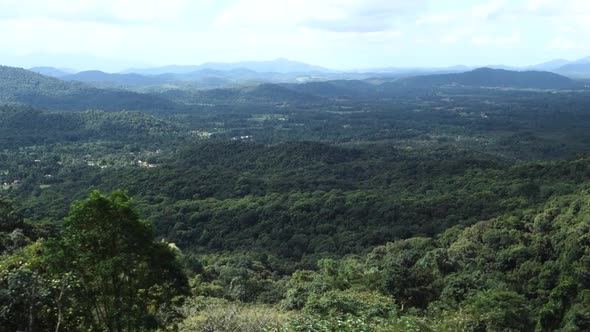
330 206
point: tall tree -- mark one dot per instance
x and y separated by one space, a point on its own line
124 277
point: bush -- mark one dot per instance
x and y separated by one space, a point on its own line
214 315
364 304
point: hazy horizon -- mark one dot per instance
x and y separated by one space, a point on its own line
105 64
115 35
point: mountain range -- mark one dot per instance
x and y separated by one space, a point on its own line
219 75
20 86
580 67
489 77
280 65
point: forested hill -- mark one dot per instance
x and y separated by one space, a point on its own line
97 76
487 77
521 272
25 127
17 82
20 86
266 93
384 88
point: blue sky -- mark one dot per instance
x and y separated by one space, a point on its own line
342 34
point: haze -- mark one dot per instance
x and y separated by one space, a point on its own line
113 35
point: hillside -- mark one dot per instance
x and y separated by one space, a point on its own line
97 76
575 70
252 94
519 272
387 87
50 71
487 77
17 82
20 86
26 127
337 88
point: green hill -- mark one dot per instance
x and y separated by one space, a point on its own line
26 126
487 77
20 86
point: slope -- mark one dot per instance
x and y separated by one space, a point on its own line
20 86
487 77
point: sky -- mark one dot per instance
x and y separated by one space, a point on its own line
113 35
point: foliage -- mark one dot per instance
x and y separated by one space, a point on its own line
208 315
103 272
371 205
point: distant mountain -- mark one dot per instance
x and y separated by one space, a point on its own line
20 86
51 71
200 79
575 70
582 60
263 93
276 66
549 65
383 87
552 66
336 89
31 126
412 71
487 77
128 80
562 66
172 69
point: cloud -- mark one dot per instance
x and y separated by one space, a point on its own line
436 19
369 16
487 10
329 15
561 43
333 33
105 11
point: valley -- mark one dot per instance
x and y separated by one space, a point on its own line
379 204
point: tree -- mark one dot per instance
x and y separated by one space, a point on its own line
124 276
25 295
11 225
497 310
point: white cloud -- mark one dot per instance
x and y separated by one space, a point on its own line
330 15
110 11
488 9
561 43
327 32
436 19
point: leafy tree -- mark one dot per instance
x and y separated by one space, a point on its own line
499 311
11 225
124 276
